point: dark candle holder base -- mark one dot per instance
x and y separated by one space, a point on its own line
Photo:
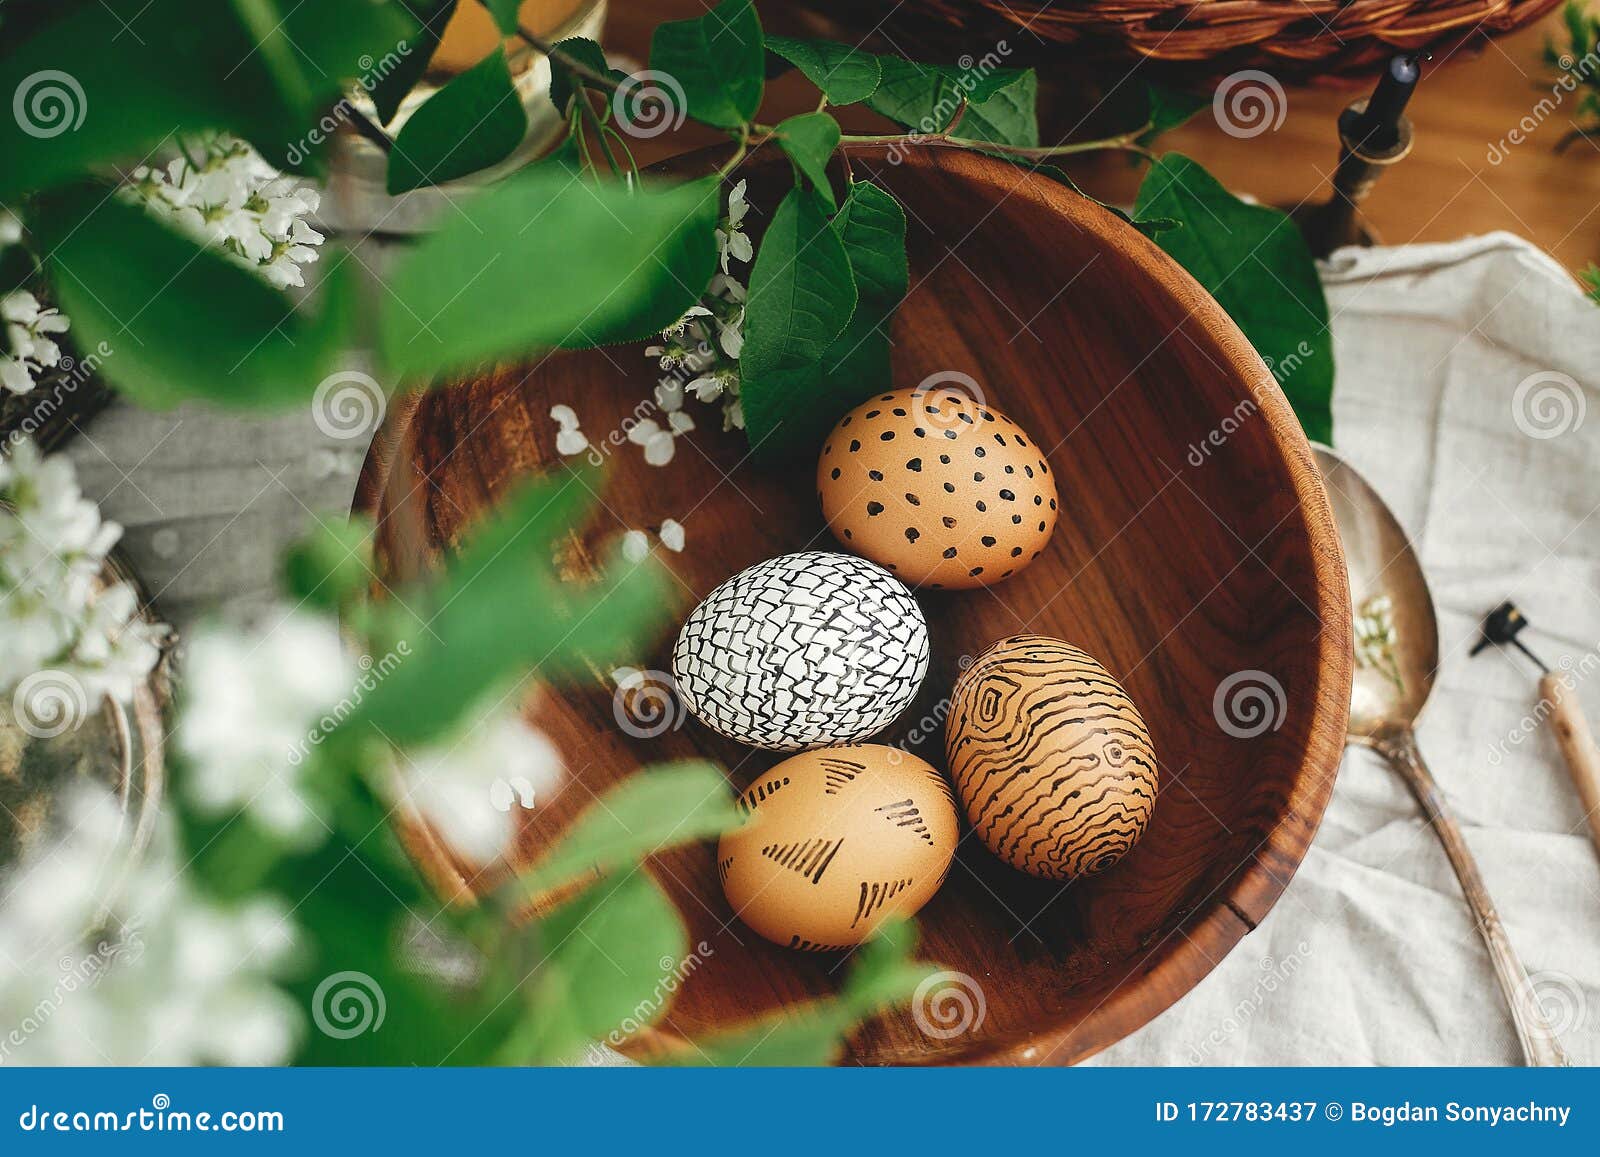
1339 221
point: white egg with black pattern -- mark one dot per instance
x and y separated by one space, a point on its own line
803 650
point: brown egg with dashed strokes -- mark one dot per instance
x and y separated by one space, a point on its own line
937 486
837 841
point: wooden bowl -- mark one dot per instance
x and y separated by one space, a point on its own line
1178 569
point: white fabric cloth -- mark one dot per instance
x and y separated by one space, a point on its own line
1371 956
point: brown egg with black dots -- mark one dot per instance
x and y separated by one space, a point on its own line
837 841
937 486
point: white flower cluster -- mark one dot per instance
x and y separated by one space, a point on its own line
29 348
54 611
700 351
636 543
116 960
251 702
255 705
231 198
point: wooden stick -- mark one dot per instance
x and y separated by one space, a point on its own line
1577 747
1540 1044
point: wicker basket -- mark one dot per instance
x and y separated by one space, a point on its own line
1297 41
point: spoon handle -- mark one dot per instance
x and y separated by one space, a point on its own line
1541 1046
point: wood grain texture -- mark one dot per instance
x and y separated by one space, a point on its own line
1175 575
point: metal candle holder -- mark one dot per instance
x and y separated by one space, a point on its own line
1374 133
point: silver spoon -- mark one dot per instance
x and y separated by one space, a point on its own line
1385 701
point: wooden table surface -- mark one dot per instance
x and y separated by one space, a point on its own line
1447 188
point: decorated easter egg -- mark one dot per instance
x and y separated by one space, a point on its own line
803 650
836 842
939 487
1050 758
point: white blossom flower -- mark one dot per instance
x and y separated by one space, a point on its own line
701 349
732 241
677 328
55 613
669 394
28 348
730 335
635 546
569 439
660 442
671 535
116 959
10 227
460 787
252 705
230 198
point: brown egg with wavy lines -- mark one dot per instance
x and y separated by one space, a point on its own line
1050 758
937 486
838 840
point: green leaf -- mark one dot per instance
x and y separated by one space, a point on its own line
918 96
925 97
331 566
358 955
483 285
471 123
505 14
1253 260
392 87
94 93
802 295
617 944
1150 226
177 320
656 809
1590 278
845 75
499 614
809 140
1168 108
717 60
872 227
883 974
1008 117
564 82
